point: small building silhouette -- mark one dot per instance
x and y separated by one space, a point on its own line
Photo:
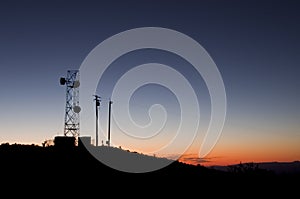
64 141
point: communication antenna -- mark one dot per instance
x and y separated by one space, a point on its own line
97 100
72 109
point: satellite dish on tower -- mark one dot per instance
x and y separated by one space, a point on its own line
76 109
62 81
76 84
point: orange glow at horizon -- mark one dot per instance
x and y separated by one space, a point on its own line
226 153
273 146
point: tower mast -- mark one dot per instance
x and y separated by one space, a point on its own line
72 108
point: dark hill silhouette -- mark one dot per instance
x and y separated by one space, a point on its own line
77 162
65 169
53 159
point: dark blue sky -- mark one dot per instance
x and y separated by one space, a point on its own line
255 44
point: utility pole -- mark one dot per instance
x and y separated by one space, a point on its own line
109 116
97 99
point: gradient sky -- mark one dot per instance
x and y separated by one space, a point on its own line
255 44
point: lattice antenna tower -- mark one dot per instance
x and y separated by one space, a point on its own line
72 109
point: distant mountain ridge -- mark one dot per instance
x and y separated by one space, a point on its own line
279 168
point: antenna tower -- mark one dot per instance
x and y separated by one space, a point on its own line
72 109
